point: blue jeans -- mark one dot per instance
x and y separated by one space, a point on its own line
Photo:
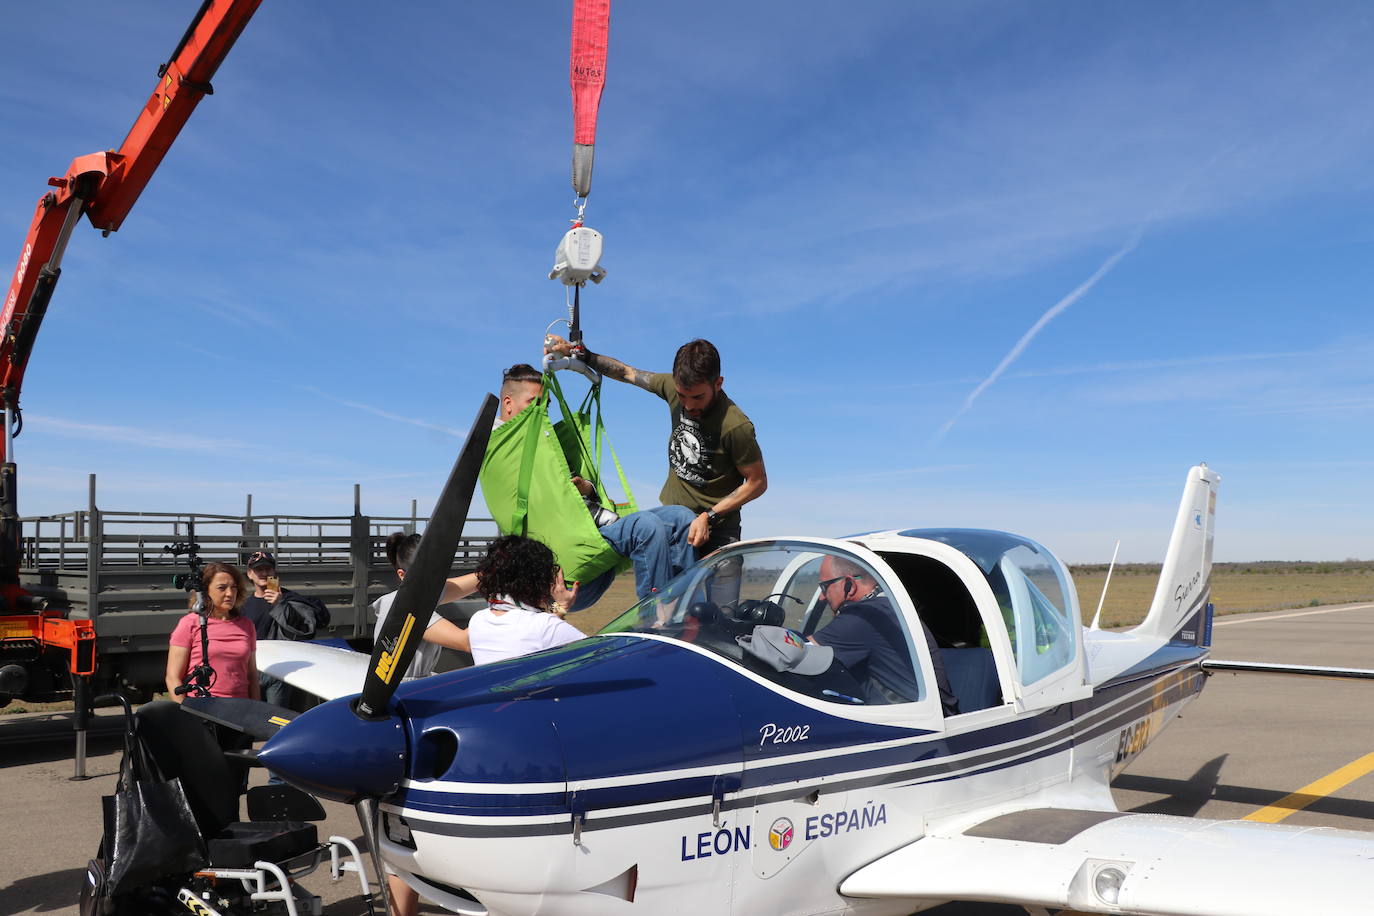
655 540
276 692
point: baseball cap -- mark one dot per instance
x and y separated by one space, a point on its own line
261 558
787 650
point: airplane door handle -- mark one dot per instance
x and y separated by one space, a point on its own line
578 808
725 782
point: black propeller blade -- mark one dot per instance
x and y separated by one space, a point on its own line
424 582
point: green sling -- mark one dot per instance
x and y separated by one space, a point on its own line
527 481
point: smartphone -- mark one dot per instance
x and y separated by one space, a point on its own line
273 584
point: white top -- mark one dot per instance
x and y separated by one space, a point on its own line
519 631
426 656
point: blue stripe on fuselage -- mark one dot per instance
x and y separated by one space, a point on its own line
559 686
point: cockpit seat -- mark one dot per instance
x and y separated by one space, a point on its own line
972 676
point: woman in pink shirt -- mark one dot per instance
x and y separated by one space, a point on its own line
232 638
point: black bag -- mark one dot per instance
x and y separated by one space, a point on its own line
154 900
93 893
150 831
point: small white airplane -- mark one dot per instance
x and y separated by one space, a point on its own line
668 765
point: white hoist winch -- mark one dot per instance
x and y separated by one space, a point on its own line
578 257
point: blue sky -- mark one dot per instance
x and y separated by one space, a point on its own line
1005 265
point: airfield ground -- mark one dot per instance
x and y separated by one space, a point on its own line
1241 750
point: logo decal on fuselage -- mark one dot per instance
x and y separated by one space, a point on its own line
1185 589
720 842
820 826
725 840
786 734
780 834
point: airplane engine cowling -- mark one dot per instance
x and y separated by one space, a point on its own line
328 751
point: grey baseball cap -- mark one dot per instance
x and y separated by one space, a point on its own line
787 650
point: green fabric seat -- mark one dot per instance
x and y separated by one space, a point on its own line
527 481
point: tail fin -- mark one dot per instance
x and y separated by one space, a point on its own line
1181 610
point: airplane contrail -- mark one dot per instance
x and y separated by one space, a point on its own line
1078 293
413 421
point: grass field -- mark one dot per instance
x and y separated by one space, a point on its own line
1236 587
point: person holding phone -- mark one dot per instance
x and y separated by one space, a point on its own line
280 613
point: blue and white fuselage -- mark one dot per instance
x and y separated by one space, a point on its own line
662 766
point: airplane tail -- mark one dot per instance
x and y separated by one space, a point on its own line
1181 610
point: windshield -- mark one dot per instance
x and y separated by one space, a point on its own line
762 607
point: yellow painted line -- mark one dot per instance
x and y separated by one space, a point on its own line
1312 792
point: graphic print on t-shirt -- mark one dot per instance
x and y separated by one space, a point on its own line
689 452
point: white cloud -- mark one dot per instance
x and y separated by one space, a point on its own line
129 435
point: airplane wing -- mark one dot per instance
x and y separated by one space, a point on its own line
1110 862
328 672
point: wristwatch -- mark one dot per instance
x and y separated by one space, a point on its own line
711 517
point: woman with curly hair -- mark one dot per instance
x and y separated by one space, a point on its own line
520 581
232 638
527 599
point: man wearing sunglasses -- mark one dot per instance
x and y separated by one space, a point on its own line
869 640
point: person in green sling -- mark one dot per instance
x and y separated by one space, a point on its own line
655 540
715 465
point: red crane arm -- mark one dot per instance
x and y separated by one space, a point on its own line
106 185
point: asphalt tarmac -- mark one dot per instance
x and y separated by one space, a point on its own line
1241 749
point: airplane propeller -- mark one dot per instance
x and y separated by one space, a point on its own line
424 583
380 764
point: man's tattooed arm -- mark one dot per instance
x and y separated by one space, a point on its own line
618 370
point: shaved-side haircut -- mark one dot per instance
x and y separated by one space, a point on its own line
519 374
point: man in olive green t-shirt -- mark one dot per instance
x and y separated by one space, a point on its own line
714 462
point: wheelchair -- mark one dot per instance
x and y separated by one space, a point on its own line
250 866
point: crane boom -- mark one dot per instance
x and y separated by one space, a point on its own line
103 186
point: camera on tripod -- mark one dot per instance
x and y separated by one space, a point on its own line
200 678
189 581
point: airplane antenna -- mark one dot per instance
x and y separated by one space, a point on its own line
1097 618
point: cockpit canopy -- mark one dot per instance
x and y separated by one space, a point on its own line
1033 590
721 603
914 617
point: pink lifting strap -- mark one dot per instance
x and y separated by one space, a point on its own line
590 27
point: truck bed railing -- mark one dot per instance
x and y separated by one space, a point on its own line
64 541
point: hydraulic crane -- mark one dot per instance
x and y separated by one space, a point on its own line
103 186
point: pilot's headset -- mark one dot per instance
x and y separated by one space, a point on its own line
850 588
